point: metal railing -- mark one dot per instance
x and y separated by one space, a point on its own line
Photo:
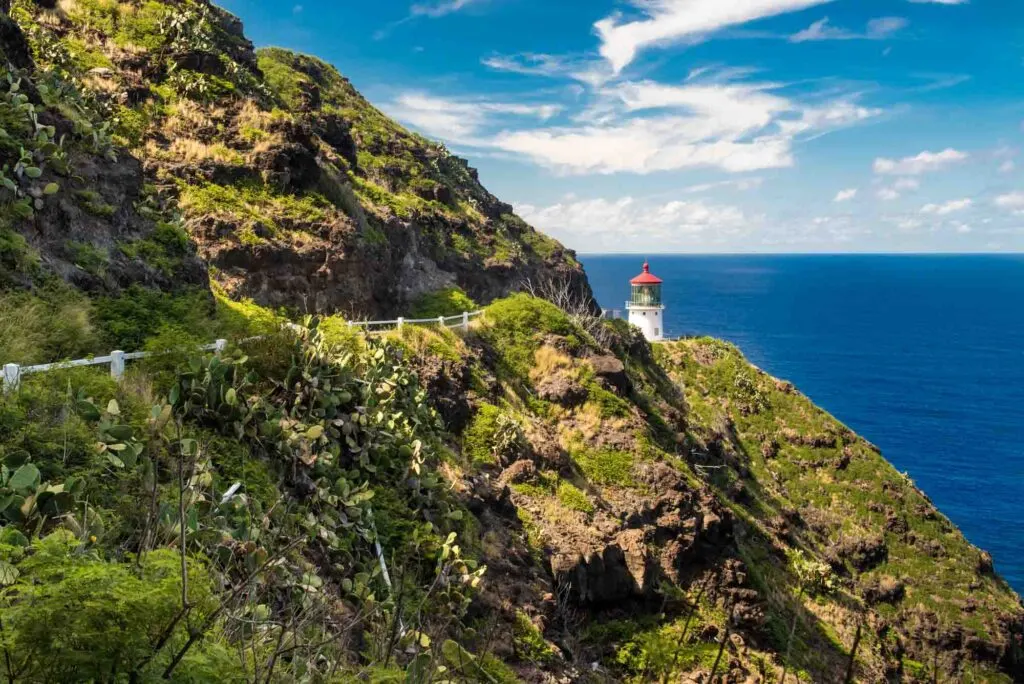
12 372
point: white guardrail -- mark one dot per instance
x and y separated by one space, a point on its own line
12 372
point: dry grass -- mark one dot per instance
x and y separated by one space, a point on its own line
546 361
191 150
188 118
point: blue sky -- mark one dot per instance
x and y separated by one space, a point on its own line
705 125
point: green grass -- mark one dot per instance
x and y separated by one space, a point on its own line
605 466
515 326
573 498
528 641
251 206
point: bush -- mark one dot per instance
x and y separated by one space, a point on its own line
47 327
448 302
528 641
515 325
139 313
77 617
492 437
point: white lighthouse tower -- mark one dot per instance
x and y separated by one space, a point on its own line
645 308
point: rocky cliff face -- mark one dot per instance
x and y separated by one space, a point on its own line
678 498
293 189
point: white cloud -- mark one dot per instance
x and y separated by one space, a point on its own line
741 184
877 29
947 208
460 121
733 127
439 9
940 2
888 194
922 163
883 27
963 228
1007 166
584 70
845 195
673 21
1014 201
602 224
906 184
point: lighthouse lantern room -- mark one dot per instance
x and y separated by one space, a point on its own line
646 310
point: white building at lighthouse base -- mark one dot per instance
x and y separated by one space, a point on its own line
648 319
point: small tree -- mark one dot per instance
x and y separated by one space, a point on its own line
581 309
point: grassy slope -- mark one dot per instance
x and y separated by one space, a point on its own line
696 415
272 164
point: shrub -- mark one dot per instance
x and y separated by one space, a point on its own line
492 437
75 616
448 302
515 325
47 327
528 641
139 313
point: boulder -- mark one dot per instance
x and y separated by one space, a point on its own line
561 389
611 372
619 571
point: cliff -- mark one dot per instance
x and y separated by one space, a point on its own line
169 144
543 497
553 498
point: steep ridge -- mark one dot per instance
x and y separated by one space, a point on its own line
555 499
293 189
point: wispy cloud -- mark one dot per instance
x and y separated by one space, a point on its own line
940 2
1012 201
741 184
429 10
845 195
586 70
733 127
440 9
645 127
924 162
947 208
608 225
678 21
461 121
877 29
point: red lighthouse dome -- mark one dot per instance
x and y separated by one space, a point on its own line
646 278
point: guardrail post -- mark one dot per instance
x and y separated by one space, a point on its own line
12 376
465 320
400 322
117 364
440 321
219 346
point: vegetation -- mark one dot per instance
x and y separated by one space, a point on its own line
448 302
294 508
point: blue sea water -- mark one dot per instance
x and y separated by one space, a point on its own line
922 355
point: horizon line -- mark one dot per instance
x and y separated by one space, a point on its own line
699 254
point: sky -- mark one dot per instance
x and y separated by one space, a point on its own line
663 126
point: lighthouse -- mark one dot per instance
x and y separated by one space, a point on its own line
645 308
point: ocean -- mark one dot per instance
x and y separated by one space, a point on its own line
922 355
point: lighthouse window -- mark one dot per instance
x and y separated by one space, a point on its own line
657 331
